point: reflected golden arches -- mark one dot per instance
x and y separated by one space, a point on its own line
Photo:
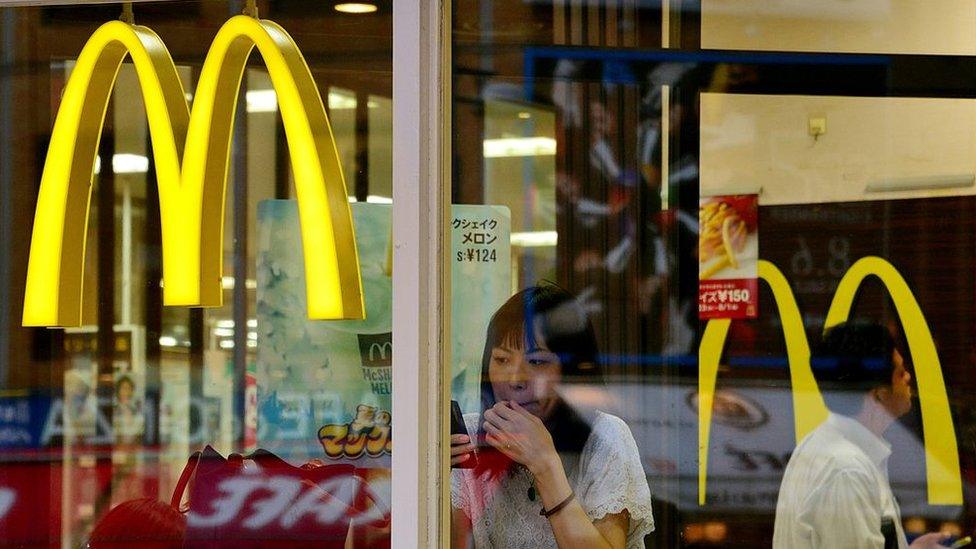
808 403
942 458
191 151
939 436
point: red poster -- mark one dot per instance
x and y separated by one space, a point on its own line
728 254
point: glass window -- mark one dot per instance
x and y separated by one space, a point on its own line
711 274
142 421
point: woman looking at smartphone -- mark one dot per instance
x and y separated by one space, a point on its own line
547 475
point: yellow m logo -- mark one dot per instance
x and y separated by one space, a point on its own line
941 451
191 151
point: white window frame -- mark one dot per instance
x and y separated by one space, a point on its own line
421 296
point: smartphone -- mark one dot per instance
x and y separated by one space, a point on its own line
458 428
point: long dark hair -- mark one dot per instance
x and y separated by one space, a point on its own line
550 314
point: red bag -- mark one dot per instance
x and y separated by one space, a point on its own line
145 523
263 501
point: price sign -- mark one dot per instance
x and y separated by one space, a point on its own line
728 252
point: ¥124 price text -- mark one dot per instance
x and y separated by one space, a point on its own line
477 255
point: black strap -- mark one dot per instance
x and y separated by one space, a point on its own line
890 533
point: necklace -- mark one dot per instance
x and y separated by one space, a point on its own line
518 470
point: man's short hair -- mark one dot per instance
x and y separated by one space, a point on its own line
853 358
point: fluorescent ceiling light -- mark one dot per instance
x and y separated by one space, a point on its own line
227 283
262 101
376 199
535 239
228 323
519 146
341 101
355 7
224 332
227 344
167 341
125 163
931 182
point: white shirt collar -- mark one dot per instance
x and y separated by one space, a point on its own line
876 448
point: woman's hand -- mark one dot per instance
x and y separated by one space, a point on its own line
461 449
521 436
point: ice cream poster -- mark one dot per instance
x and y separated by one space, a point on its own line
728 255
324 387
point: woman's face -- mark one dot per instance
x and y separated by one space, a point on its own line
125 392
529 377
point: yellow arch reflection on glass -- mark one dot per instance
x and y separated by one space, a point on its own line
942 458
939 435
808 403
191 152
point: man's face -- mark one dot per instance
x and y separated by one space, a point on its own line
898 399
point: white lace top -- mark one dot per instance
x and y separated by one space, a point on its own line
606 476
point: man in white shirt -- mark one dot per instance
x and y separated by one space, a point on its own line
835 491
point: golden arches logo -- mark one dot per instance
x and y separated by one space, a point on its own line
941 451
191 150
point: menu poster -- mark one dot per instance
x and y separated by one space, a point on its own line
323 388
728 254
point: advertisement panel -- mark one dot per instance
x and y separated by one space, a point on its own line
728 249
324 387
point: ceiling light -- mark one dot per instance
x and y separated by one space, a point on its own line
519 146
125 163
339 101
262 101
922 183
535 239
355 7
227 283
376 199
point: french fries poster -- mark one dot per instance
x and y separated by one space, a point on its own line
728 251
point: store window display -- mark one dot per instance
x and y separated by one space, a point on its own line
143 408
